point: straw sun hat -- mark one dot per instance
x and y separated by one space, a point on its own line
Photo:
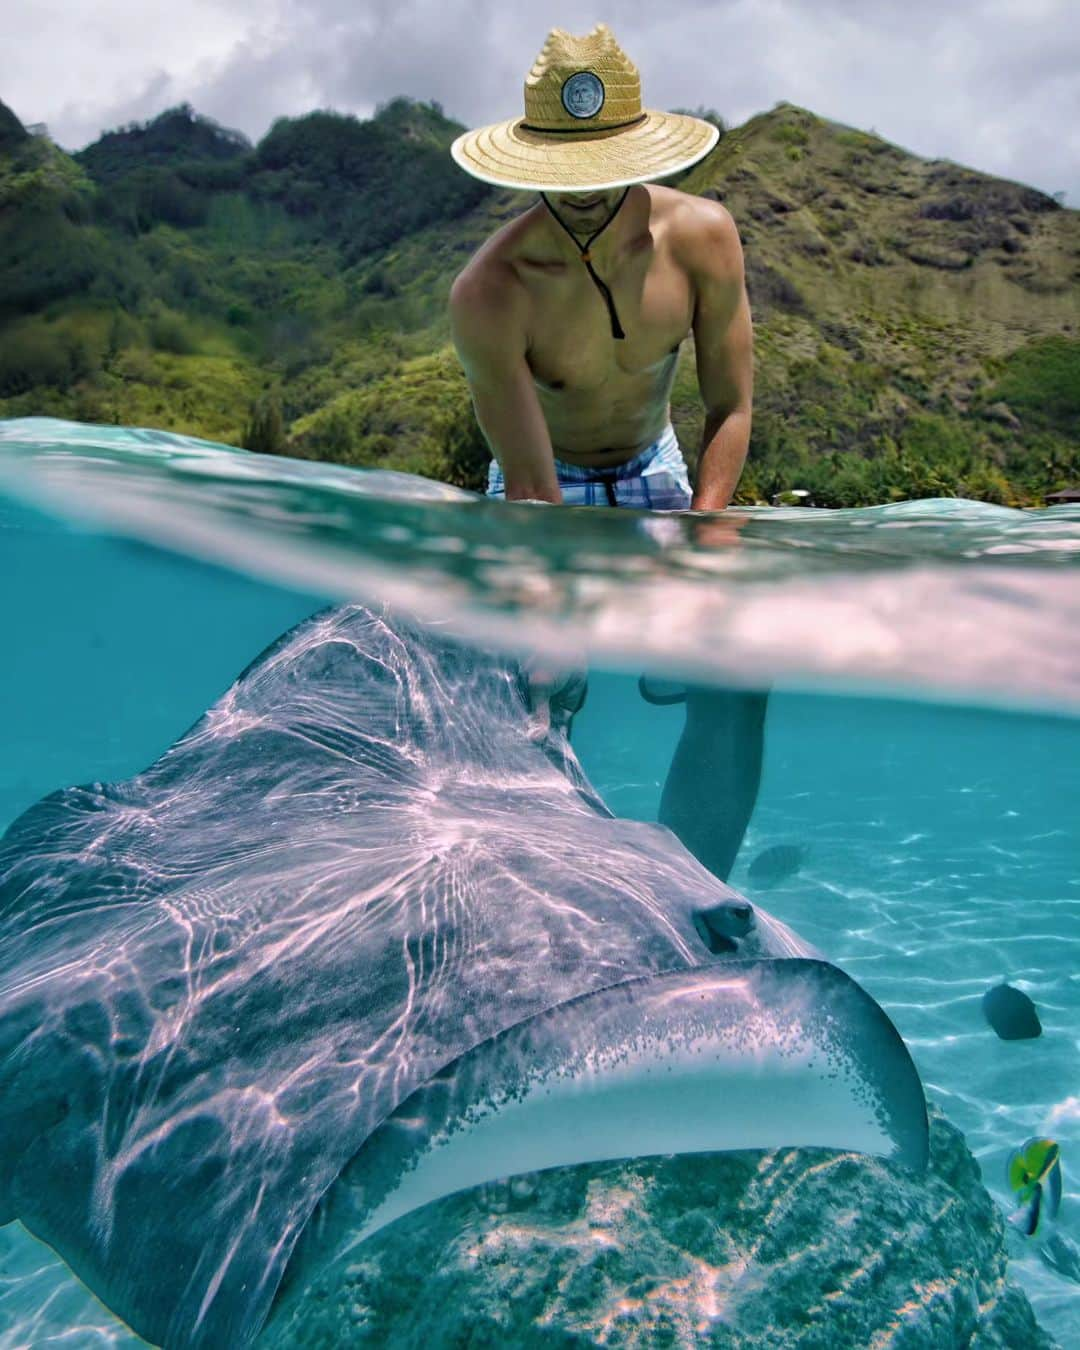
584 128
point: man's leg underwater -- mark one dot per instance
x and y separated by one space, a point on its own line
714 776
712 783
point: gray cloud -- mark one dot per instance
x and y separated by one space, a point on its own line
990 83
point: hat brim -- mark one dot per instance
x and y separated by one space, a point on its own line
510 155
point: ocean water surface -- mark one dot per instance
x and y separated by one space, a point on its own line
922 754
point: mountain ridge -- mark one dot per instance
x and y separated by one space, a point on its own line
917 322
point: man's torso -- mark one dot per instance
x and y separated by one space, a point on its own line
604 400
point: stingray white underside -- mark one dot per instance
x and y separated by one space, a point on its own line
740 1055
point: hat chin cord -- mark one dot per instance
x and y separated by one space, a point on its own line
583 249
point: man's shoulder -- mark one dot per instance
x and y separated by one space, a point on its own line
701 230
489 281
488 304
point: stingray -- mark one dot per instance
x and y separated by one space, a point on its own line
364 937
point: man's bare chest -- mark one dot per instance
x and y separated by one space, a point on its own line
571 347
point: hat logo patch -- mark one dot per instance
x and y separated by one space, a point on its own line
583 94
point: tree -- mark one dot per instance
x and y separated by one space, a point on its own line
265 431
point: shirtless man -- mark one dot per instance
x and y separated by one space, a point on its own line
568 323
548 380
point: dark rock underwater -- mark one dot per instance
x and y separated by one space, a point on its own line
785 1250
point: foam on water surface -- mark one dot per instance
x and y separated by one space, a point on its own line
953 599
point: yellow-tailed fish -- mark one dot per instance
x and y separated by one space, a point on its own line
1034 1174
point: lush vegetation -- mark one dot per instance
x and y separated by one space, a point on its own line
916 323
331 170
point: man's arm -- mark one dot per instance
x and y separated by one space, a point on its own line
723 339
487 324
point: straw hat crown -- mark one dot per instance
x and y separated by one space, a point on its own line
584 127
580 82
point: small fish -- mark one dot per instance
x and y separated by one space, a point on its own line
1011 1013
777 863
1034 1176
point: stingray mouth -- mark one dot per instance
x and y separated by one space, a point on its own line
734 1055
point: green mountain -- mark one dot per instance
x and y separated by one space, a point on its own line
12 131
917 323
911 311
178 141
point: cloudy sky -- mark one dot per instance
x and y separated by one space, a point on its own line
994 84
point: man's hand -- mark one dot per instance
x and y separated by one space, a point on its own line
553 694
719 529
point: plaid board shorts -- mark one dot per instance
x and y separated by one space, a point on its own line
655 480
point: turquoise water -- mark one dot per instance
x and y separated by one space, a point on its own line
922 744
